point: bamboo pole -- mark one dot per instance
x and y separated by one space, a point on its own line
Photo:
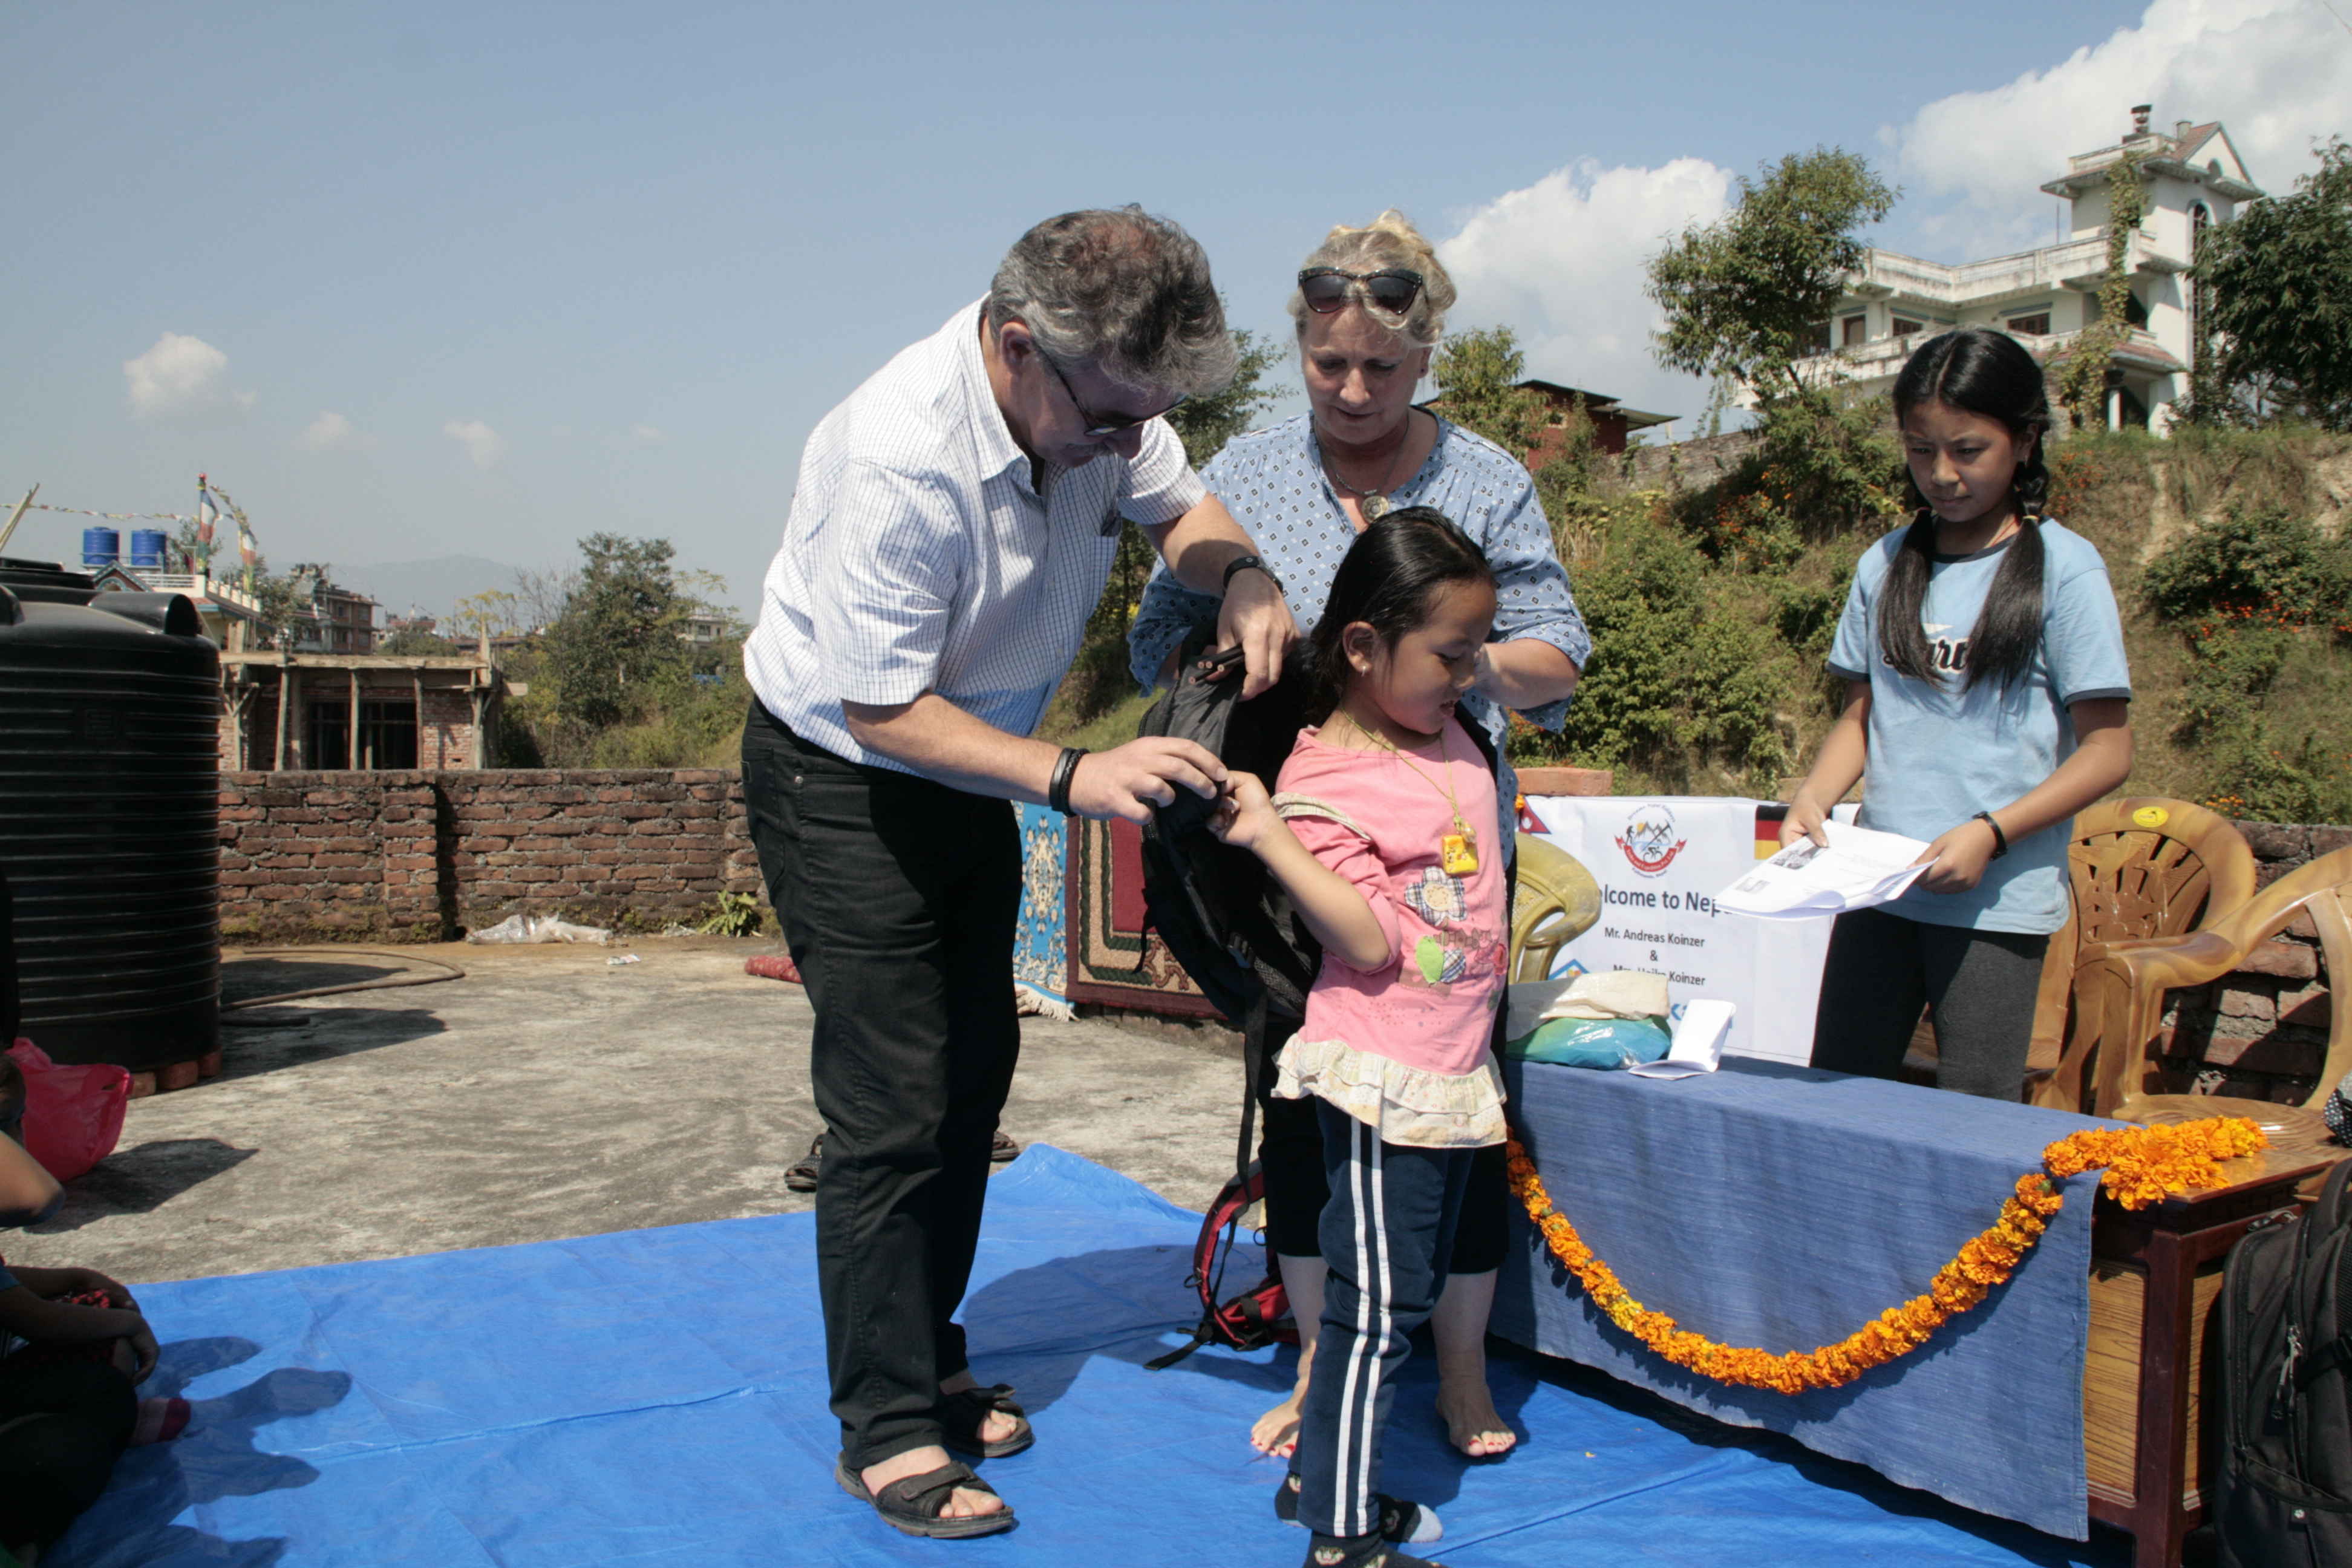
18 516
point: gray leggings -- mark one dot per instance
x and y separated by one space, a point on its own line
1979 985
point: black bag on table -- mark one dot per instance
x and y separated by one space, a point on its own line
2283 1494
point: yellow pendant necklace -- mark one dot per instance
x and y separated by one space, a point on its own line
1457 851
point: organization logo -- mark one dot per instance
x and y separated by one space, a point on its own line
1648 840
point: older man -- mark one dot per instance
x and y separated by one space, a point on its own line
953 526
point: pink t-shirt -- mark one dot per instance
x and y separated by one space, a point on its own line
1432 1006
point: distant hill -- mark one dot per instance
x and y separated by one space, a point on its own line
433 586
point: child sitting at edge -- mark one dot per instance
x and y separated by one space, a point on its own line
1382 834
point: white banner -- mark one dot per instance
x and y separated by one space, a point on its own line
1659 860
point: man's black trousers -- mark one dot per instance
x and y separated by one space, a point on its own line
899 898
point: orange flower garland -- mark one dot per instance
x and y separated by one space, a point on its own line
2143 1165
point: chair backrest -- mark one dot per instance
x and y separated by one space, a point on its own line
1556 902
2323 890
2140 867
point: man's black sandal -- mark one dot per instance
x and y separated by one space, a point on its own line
964 1413
917 1504
801 1175
1400 1520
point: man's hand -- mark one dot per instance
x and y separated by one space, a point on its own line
1131 780
1254 619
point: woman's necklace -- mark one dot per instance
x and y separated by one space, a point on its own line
1372 503
1457 851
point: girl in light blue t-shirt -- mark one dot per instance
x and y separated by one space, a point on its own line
1987 702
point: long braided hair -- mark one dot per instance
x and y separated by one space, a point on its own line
1982 371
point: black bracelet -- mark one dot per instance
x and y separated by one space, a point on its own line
1248 563
1066 768
2000 839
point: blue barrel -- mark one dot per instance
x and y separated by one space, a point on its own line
99 547
147 547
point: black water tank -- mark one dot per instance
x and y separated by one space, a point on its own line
109 817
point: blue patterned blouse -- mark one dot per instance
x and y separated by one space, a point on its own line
1273 482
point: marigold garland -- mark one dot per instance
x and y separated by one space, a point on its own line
2143 1165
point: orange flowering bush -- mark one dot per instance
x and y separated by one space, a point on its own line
2143 1165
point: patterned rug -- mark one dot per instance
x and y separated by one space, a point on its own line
1041 965
1113 960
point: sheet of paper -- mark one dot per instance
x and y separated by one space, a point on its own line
1698 1041
1860 868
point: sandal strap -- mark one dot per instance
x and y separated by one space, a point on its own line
926 1496
996 1397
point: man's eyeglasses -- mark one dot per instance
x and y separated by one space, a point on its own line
1392 288
1099 426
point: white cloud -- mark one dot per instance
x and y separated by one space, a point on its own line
1562 263
2276 73
482 444
648 436
330 432
181 376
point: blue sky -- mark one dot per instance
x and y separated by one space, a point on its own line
434 279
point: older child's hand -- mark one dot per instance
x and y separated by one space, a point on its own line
1804 821
1956 861
78 1281
1246 815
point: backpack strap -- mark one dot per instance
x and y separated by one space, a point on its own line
1287 806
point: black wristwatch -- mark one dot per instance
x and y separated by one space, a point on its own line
1248 564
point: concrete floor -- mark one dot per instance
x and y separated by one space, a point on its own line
550 1093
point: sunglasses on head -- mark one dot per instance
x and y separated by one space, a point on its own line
1392 288
1102 424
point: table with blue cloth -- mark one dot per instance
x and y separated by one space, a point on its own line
1782 1208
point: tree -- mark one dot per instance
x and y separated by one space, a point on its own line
1479 374
2278 307
407 641
1206 423
1746 297
492 613
618 629
2083 379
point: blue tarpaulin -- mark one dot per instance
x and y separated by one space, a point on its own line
657 1398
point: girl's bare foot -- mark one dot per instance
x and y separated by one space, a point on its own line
1473 1425
1276 1434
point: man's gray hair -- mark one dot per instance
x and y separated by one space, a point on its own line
1121 291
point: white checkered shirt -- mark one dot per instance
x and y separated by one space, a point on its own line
918 556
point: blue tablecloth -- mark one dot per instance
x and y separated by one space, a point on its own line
1780 1207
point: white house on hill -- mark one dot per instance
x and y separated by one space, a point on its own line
2193 178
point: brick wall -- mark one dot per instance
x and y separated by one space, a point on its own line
2261 1033
424 855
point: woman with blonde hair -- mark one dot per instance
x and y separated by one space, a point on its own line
1371 306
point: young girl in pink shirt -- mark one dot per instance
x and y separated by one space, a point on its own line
1383 830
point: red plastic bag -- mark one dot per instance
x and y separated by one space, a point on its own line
73 1115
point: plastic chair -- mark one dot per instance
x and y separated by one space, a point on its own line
1556 902
2120 997
2140 868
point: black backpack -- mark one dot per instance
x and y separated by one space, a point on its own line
2284 1497
1235 931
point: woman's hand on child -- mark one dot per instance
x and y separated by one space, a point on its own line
1956 861
1247 813
1804 821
